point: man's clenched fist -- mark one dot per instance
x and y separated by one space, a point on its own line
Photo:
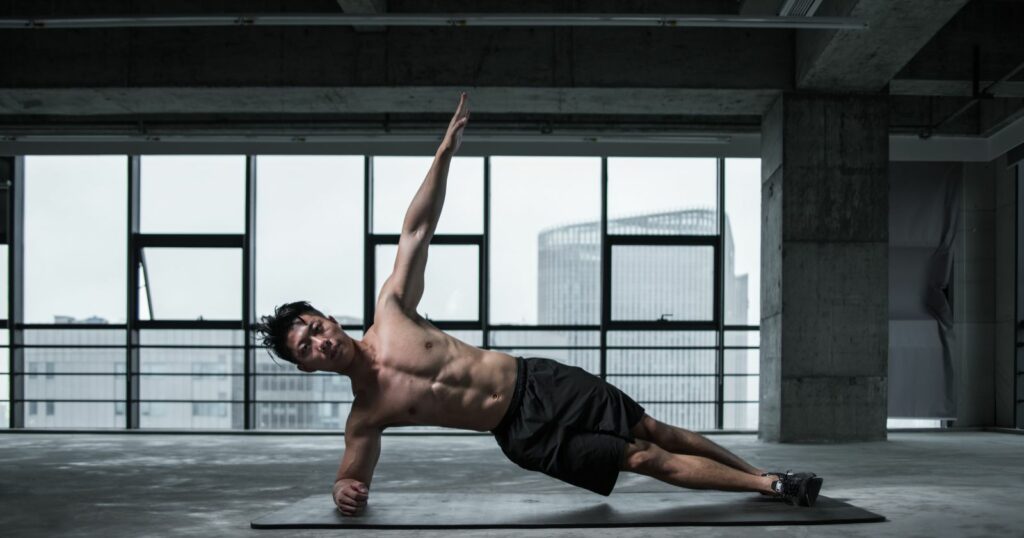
350 496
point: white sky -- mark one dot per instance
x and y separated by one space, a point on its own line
309 227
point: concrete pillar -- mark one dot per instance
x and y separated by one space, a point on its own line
824 268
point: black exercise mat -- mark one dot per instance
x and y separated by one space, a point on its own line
388 510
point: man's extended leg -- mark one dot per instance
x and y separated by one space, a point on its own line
693 472
679 441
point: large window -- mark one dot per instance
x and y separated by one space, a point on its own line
143 276
75 232
545 240
743 241
309 233
662 196
193 194
742 299
451 288
191 283
397 179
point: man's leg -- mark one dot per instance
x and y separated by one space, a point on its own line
694 472
679 441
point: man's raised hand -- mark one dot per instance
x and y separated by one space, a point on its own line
453 138
350 496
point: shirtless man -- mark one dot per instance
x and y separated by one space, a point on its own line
546 416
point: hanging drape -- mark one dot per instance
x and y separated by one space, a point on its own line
924 211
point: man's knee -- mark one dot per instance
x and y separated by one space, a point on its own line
641 456
645 429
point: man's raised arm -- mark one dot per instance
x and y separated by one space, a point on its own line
406 280
425 209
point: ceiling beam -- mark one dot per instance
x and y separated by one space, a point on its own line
865 61
382 100
953 88
456 20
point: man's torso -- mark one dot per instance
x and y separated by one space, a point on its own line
427 377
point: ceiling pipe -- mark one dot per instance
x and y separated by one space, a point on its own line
464 19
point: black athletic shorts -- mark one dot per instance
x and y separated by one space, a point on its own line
568 424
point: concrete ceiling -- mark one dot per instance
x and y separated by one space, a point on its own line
925 54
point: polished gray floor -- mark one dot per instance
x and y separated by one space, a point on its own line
926 484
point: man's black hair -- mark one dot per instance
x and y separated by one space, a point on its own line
274 329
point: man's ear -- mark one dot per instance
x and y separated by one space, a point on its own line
303 367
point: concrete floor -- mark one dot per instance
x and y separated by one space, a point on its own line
926 484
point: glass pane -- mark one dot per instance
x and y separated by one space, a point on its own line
191 283
545 240
75 337
545 338
74 387
740 416
452 281
210 382
742 338
3 281
674 283
742 361
190 337
473 338
74 415
203 364
193 194
302 416
662 338
75 233
198 415
397 179
303 387
309 234
662 196
5 394
740 388
689 416
666 389
43 363
909 423
661 361
743 241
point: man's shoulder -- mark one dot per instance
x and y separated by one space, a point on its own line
389 305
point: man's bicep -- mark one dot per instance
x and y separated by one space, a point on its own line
407 277
362 450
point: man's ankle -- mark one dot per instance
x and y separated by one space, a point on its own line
768 484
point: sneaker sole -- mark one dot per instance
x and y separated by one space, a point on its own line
809 491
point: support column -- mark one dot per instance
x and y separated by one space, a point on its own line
824 268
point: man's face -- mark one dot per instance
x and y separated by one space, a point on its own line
318 343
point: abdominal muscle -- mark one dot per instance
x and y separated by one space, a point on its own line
430 378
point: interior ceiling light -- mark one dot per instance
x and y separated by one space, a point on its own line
431 19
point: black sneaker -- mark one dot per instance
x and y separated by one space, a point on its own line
798 488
